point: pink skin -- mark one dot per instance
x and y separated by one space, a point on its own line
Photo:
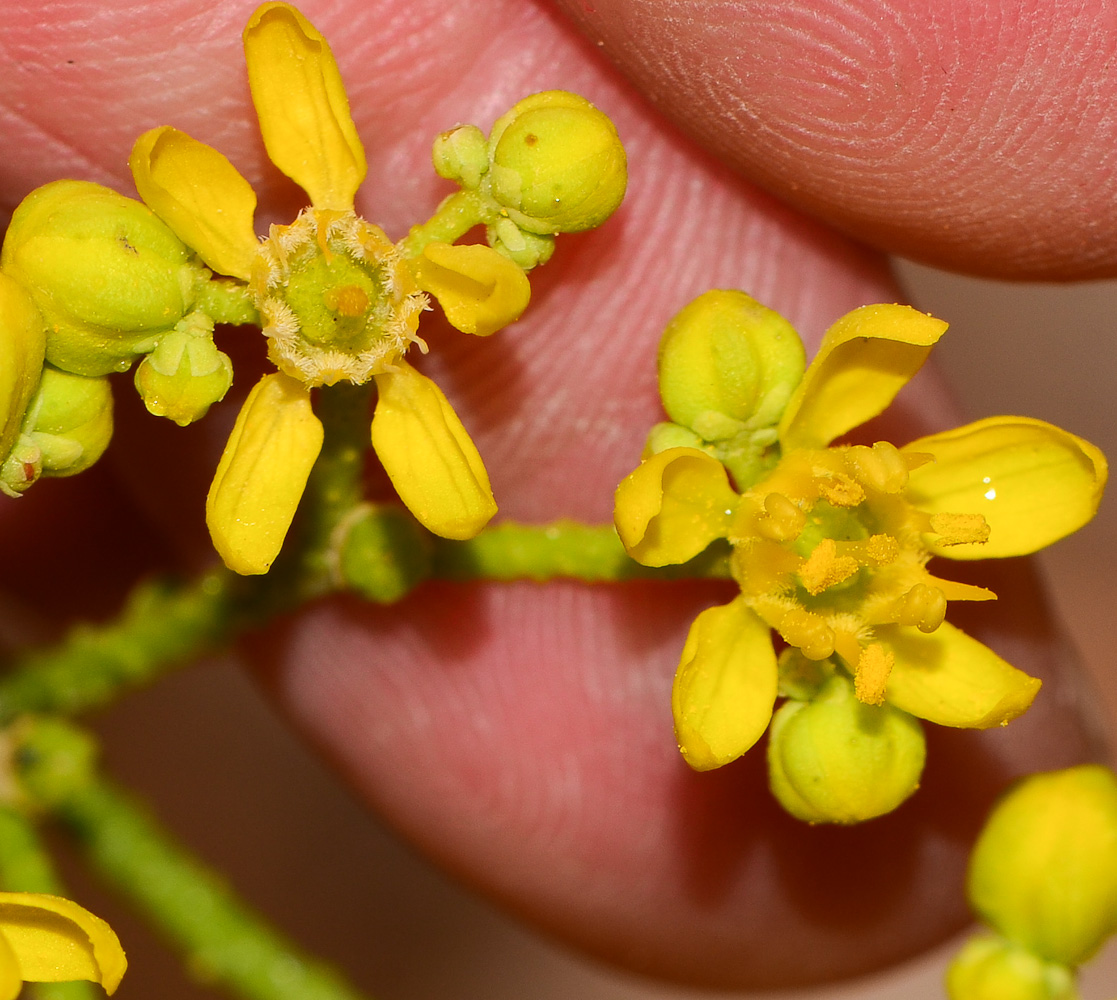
520 733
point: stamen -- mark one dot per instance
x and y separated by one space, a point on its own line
958 529
824 568
871 676
841 490
880 467
923 606
781 521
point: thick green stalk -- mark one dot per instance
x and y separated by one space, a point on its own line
457 214
560 550
223 941
226 301
161 626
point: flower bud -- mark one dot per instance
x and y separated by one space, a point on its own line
836 760
106 274
22 342
728 364
461 154
384 553
1044 870
185 374
990 968
556 164
70 421
519 246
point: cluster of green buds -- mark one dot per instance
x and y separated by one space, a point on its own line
552 164
99 281
1043 877
829 543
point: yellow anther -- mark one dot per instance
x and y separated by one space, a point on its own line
841 491
348 300
781 521
923 606
958 529
881 467
880 550
824 568
871 676
809 632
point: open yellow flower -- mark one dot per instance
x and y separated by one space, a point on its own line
338 301
830 544
48 939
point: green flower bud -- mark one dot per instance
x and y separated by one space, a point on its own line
106 274
727 364
384 553
666 435
461 154
70 421
22 343
991 968
53 759
526 249
837 760
1044 870
556 164
186 374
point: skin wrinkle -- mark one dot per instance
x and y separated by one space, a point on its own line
959 137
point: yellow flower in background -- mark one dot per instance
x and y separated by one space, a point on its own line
48 939
830 544
337 300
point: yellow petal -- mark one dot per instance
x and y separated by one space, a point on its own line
55 940
301 103
428 455
22 344
673 505
479 290
866 357
10 980
262 474
725 686
1032 482
200 195
951 679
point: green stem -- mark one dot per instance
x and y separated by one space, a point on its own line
224 942
561 549
457 214
226 301
161 625
26 867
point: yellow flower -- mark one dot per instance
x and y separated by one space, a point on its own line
48 939
830 544
338 301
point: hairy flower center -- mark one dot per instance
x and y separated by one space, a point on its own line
337 299
828 546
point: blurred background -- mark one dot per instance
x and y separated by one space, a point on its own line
221 770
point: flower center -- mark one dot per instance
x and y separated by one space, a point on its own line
828 546
337 299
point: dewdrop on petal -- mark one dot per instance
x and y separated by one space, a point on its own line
108 276
556 164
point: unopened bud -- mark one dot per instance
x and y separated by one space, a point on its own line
185 374
727 363
557 164
836 760
106 274
991 968
22 342
70 421
461 154
1044 870
518 245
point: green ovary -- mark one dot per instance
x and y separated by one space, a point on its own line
337 302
